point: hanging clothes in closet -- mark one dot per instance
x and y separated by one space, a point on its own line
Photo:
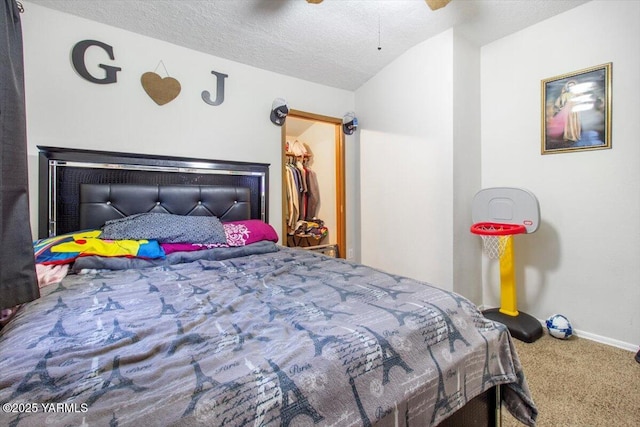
302 189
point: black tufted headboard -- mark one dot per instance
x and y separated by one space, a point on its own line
102 202
120 184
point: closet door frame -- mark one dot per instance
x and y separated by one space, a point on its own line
341 234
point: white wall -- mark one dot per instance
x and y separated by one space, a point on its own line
64 110
420 149
420 164
405 115
584 261
466 167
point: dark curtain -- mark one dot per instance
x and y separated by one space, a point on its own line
18 282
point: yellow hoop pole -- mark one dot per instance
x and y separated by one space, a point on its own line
508 304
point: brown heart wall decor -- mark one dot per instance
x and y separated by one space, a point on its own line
161 90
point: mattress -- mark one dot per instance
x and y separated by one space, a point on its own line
256 336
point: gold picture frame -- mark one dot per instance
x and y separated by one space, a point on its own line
576 111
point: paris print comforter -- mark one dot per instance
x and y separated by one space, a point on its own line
279 338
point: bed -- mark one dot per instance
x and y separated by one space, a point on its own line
248 333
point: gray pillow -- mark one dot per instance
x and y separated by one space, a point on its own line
166 228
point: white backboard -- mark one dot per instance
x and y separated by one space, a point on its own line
506 205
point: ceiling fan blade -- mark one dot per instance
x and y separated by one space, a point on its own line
433 4
437 4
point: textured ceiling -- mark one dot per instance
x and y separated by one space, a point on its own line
335 43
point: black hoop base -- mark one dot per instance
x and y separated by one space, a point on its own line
523 327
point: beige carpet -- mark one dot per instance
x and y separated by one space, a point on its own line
581 383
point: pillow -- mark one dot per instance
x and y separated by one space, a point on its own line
66 248
166 228
238 233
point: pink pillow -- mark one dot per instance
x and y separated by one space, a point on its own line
239 233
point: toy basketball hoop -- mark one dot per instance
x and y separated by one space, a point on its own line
497 215
495 236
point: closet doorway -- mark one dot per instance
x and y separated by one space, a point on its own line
313 145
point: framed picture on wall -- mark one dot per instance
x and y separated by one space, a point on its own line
576 111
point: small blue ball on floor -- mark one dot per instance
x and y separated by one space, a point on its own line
559 326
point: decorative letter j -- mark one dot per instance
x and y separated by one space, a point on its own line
206 96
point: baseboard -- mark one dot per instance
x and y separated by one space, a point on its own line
599 338
594 337
605 340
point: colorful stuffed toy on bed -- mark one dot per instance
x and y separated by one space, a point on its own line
66 248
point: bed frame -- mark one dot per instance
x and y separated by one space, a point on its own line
63 170
81 189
